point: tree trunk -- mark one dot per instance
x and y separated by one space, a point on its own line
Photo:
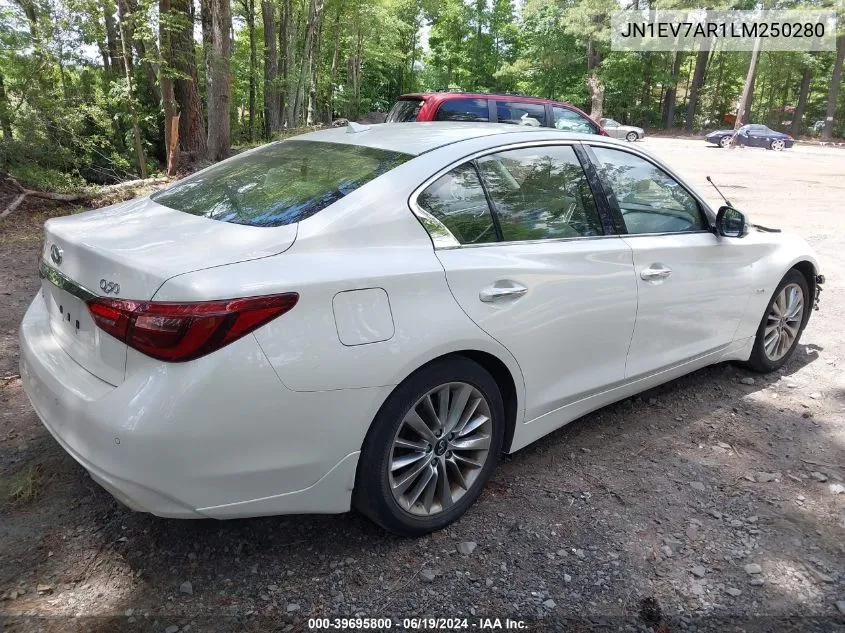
168 98
595 87
271 81
314 66
334 67
253 63
186 85
671 97
835 85
115 57
306 55
801 107
217 17
5 118
285 37
127 64
695 87
747 89
746 116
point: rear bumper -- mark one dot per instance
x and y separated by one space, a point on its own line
217 437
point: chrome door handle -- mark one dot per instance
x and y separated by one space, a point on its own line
655 274
494 293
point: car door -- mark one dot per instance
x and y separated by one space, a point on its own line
520 113
692 285
572 121
537 269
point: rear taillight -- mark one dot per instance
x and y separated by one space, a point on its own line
177 332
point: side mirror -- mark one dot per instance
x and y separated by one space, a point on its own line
731 223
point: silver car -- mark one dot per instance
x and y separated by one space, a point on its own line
617 130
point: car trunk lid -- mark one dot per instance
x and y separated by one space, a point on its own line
128 251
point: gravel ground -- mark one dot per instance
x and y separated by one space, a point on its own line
715 502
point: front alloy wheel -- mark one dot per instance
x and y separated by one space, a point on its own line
777 145
724 141
632 136
432 447
782 324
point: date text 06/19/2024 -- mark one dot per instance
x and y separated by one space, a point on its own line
417 624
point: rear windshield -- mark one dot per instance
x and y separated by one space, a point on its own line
280 183
404 111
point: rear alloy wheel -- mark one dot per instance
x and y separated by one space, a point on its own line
432 447
632 136
782 324
777 145
724 141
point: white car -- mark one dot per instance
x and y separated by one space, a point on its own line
369 317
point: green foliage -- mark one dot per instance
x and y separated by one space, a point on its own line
65 104
46 179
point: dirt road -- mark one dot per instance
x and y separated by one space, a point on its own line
711 502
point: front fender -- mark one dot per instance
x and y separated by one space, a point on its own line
779 252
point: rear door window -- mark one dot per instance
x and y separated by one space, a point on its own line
404 111
463 110
457 200
280 183
518 113
572 121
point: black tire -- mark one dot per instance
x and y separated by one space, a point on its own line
722 140
632 136
373 496
759 361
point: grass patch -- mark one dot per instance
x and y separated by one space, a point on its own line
25 485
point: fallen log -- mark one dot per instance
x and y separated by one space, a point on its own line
24 193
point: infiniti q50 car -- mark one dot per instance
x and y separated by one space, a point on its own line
369 317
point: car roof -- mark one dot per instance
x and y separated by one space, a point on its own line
417 138
442 96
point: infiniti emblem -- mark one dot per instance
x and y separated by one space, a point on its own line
109 287
56 255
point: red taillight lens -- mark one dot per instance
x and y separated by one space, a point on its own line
177 332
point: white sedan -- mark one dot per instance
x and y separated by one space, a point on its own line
369 317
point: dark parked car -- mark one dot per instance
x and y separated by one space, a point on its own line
492 108
752 136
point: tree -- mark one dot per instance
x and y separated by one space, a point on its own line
192 136
249 7
746 91
123 12
671 95
697 81
217 24
168 97
272 112
803 93
835 85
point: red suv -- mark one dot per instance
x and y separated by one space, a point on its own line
501 108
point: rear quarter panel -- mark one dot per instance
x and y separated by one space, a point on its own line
369 239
